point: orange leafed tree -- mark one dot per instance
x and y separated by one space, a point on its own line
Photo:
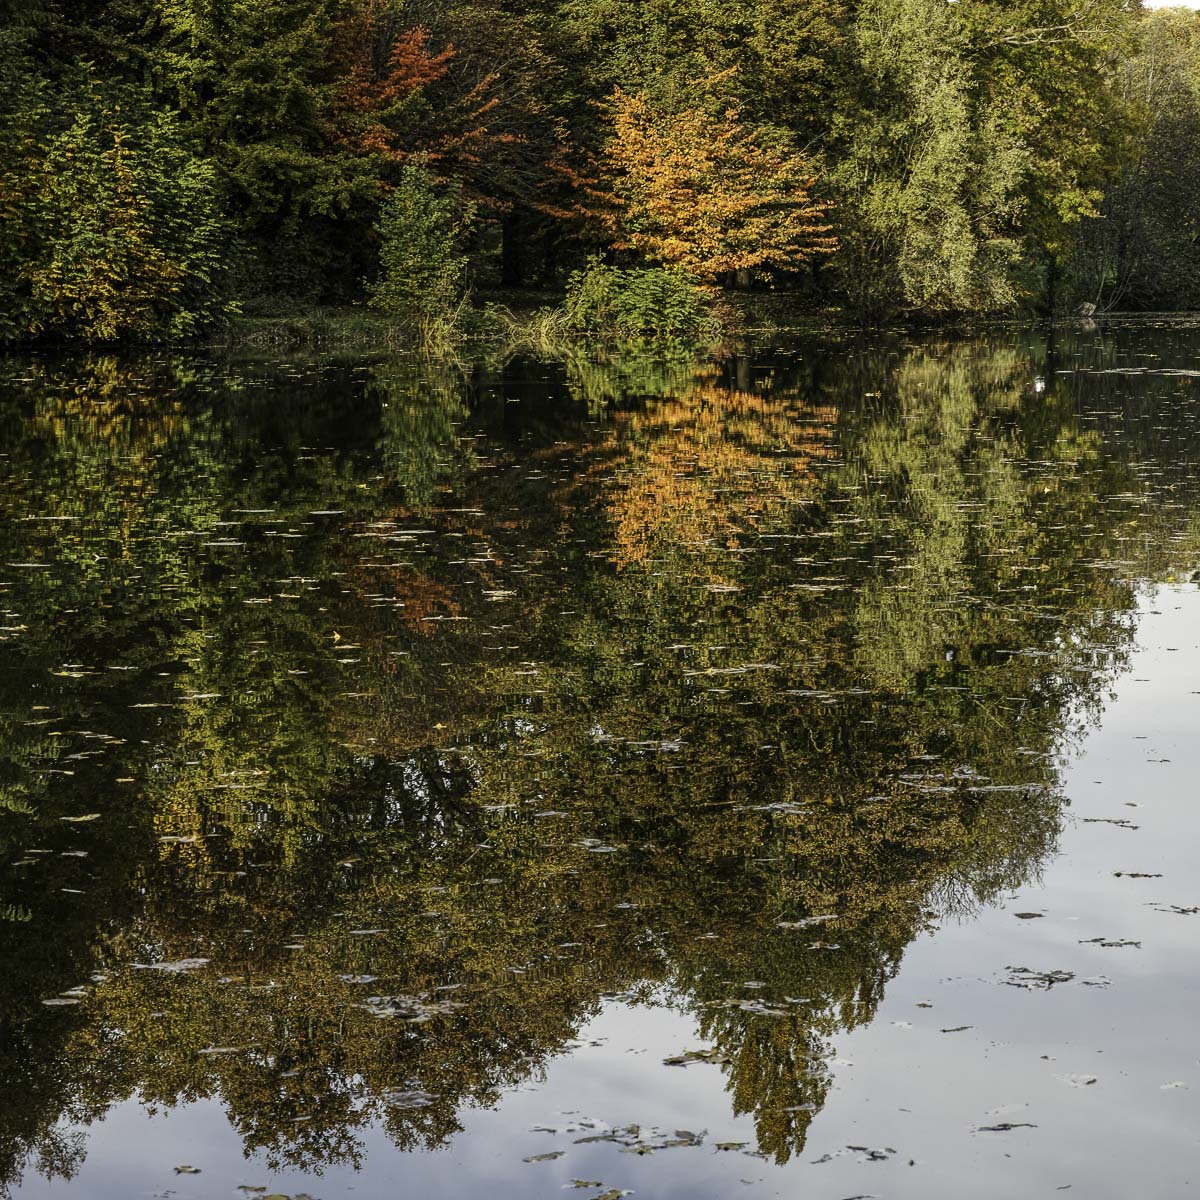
378 95
383 108
464 95
707 192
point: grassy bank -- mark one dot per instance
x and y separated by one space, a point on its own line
523 320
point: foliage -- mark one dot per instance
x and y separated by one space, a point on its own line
630 304
421 260
928 184
24 110
134 242
1142 251
118 231
971 141
706 193
878 155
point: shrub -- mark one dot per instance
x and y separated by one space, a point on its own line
422 264
639 304
130 239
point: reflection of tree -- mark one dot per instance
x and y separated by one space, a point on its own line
708 468
424 774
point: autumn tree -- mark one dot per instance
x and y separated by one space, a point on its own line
463 90
382 108
708 193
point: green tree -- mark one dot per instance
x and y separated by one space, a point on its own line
422 263
114 228
974 137
1143 250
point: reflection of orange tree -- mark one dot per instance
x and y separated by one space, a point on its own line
707 467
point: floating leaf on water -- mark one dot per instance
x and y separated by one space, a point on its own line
696 1056
187 1169
549 1156
806 922
1043 980
173 968
410 1099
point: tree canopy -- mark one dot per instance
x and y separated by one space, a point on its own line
876 155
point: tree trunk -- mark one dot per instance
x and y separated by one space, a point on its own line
512 250
743 373
1052 285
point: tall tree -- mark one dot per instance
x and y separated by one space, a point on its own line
975 137
1143 251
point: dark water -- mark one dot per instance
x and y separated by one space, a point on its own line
772 779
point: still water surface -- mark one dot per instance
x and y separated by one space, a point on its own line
776 778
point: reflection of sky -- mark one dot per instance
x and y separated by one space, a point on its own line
915 1089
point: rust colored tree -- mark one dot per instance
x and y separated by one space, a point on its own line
463 95
706 192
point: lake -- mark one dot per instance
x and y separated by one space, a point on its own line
766 777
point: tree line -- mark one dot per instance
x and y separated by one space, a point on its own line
166 164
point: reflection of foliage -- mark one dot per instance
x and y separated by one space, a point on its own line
422 405
753 451
428 737
613 379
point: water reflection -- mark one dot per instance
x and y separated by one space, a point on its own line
366 725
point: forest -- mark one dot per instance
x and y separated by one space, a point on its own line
168 166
